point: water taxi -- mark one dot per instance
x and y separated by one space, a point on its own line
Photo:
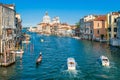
71 64
42 40
104 61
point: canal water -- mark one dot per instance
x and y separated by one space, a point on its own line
55 51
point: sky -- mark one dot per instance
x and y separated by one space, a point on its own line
69 11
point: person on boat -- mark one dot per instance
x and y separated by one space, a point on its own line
40 55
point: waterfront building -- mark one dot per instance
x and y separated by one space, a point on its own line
45 25
118 27
65 30
54 27
112 26
18 30
7 26
118 31
84 25
10 29
32 29
56 20
100 28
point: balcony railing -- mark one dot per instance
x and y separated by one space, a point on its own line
9 37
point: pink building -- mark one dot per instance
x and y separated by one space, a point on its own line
100 28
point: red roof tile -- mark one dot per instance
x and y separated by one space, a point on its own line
100 18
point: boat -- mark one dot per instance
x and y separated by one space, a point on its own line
26 42
39 58
104 61
42 40
71 64
18 53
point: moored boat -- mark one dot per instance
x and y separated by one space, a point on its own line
71 64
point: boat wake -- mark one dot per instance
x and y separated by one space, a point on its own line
70 73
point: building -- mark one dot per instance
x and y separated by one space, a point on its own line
100 28
7 27
85 25
18 29
46 18
112 26
10 30
45 25
118 30
54 27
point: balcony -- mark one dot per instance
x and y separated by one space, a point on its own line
9 37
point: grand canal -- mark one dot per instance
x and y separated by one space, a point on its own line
55 51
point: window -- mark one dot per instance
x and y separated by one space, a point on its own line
98 32
109 29
115 20
109 35
115 29
98 24
90 31
115 36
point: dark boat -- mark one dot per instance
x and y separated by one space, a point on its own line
39 59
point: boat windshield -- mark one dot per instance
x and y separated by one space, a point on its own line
71 62
105 59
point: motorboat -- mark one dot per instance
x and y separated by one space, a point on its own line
18 52
39 59
104 61
71 64
42 40
26 42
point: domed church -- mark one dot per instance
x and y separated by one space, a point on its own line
46 18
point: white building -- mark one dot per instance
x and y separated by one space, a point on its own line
56 20
84 25
118 30
46 18
112 25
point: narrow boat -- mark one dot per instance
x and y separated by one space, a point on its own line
104 61
71 64
39 58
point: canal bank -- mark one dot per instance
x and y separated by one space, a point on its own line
55 51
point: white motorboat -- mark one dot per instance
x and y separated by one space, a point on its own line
18 53
26 42
104 61
71 64
42 40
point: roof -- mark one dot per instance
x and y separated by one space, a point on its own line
101 18
115 13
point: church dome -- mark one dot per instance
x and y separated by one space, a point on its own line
46 18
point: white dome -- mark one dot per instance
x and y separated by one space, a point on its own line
46 18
